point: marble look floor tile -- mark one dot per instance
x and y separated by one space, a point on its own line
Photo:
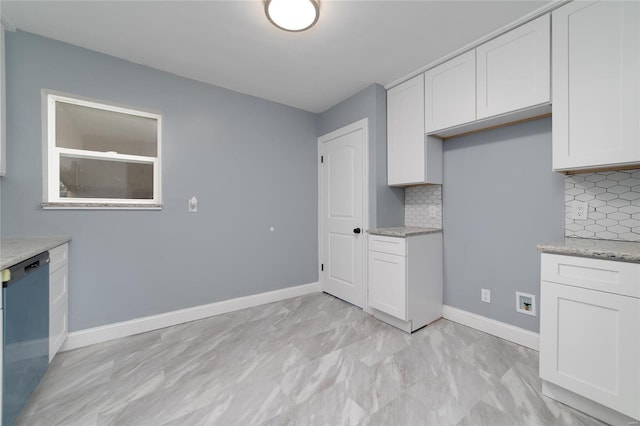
483 414
404 410
303 381
519 395
344 410
378 346
309 360
452 391
329 341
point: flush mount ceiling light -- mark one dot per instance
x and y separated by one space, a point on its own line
292 15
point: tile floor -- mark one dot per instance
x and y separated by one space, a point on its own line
309 360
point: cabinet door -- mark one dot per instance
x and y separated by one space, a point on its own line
450 93
596 89
388 284
514 70
405 133
58 330
58 309
590 345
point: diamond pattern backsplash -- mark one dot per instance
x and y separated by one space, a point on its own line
614 205
423 206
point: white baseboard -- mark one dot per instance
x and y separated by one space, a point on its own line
90 336
499 329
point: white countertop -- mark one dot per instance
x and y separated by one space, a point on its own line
403 231
622 251
15 250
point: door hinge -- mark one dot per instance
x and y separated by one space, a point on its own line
322 266
322 158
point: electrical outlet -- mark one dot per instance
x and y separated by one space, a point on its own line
485 295
580 210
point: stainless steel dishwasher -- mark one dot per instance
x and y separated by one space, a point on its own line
25 333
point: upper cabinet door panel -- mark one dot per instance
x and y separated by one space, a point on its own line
450 93
405 127
513 70
596 99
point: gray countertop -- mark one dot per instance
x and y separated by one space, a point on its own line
15 250
622 251
403 231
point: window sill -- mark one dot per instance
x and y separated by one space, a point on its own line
99 206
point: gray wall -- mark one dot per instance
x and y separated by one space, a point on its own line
500 199
250 162
386 204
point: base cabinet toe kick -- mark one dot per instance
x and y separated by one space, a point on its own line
590 336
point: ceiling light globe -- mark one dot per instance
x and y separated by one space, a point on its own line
292 15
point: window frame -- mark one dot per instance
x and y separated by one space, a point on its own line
53 153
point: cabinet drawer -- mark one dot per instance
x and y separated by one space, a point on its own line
58 288
604 275
391 245
58 257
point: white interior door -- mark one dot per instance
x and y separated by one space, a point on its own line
342 224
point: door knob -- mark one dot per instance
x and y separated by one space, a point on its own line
356 231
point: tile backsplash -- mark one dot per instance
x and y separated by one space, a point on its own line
614 205
423 206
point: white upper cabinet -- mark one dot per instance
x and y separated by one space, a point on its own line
596 85
450 93
411 158
513 70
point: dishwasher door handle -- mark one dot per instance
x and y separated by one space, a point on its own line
32 266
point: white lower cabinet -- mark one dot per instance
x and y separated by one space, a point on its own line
58 298
590 336
405 279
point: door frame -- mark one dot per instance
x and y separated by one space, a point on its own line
350 128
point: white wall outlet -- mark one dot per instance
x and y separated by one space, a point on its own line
526 303
485 296
192 204
580 210
433 210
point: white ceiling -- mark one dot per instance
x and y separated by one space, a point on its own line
231 43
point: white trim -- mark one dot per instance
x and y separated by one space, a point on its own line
499 329
117 206
350 128
113 156
53 153
547 8
91 336
3 107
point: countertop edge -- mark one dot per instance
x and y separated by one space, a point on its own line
587 252
403 232
36 245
